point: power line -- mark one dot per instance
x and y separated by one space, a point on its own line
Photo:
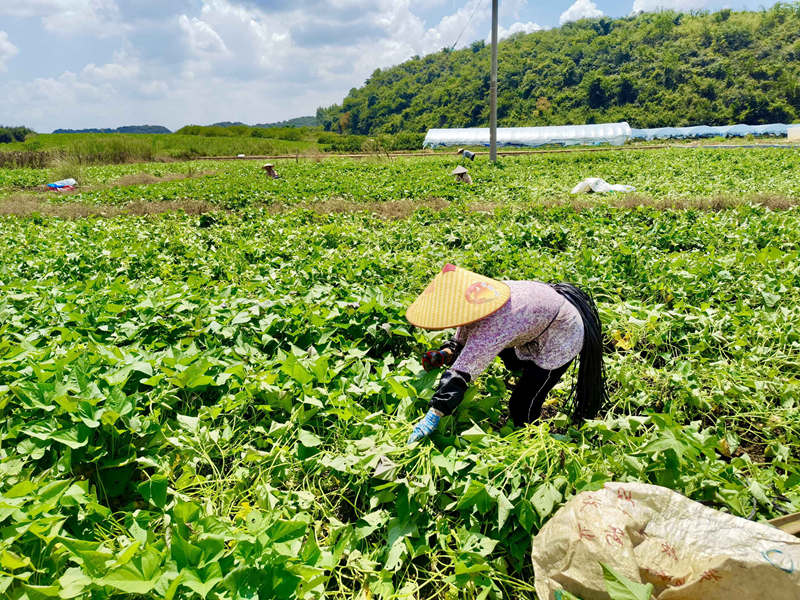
469 21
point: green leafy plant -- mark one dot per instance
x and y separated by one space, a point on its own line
621 588
217 406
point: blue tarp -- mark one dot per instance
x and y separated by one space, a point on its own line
64 184
701 131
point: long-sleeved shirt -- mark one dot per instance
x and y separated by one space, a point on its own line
538 322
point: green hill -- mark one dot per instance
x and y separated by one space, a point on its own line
654 69
125 129
310 121
296 122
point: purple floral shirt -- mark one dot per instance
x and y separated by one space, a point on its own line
522 324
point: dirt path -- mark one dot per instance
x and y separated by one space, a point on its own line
22 205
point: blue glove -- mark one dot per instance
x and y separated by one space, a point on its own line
425 427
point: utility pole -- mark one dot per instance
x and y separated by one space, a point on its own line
493 89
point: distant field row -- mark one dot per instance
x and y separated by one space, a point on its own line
662 176
53 150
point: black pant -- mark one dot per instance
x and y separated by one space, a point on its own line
527 399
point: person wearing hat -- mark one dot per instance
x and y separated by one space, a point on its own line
461 174
536 328
466 153
269 169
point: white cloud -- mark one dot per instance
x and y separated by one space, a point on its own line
457 29
582 9
249 39
201 36
37 98
202 61
679 5
154 89
123 68
66 17
517 27
7 50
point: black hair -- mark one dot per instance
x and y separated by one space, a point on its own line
590 392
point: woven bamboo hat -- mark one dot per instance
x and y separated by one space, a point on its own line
458 170
457 297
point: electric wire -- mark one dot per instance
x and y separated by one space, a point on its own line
478 4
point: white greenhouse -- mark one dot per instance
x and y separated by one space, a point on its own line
567 135
703 131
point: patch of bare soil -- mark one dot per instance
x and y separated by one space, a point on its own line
402 209
25 204
392 210
147 179
713 203
21 205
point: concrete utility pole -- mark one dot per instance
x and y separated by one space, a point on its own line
493 89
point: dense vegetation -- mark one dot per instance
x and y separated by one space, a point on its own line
334 142
216 406
654 69
190 142
13 134
241 130
123 129
108 148
328 141
310 121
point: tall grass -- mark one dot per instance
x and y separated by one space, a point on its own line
45 150
88 151
294 134
18 159
97 148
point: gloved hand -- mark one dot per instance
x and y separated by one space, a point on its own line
446 355
425 427
433 359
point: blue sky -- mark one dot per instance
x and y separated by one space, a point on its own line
106 63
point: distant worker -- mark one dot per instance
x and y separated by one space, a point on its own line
536 328
269 169
466 153
461 174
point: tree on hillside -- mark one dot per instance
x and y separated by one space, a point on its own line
14 134
652 69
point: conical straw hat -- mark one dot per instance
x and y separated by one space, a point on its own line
458 170
457 297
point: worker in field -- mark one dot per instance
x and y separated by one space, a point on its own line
466 153
269 169
536 328
461 175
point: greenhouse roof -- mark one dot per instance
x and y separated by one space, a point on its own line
601 133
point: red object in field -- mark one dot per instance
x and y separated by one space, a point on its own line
433 359
63 185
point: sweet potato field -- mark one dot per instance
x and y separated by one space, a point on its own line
216 405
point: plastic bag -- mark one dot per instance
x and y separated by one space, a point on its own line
595 184
64 184
651 534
